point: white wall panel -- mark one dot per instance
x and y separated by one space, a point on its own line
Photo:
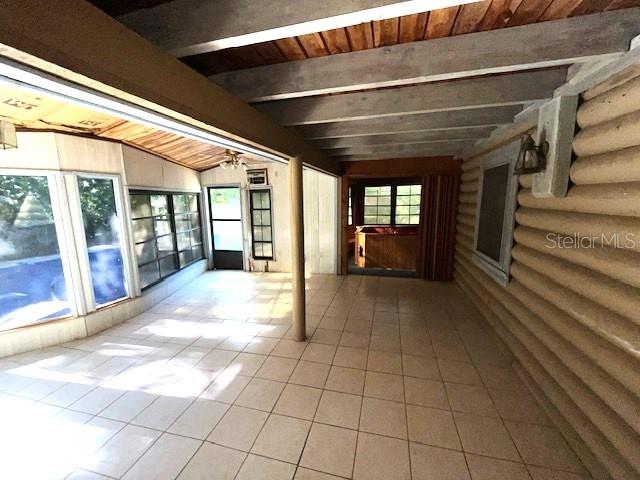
320 219
35 150
88 154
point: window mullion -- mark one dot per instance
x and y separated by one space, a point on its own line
79 242
127 248
394 192
66 243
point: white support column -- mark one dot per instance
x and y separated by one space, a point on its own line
297 248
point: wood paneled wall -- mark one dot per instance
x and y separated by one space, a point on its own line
440 204
439 177
571 316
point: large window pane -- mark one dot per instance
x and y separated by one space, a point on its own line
173 225
102 232
225 203
227 235
32 283
187 222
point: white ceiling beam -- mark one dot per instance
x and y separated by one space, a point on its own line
546 44
438 121
513 89
189 27
429 136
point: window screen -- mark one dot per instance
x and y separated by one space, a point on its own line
492 207
261 224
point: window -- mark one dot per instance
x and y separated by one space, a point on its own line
377 205
495 215
159 219
188 230
392 204
261 225
407 211
350 210
32 281
102 234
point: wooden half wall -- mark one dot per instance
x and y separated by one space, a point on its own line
439 177
571 315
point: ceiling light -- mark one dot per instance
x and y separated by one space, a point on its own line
232 160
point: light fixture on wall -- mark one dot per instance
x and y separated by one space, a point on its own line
532 158
232 160
8 138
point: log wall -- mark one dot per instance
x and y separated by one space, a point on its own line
571 316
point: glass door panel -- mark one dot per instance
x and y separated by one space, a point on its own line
226 226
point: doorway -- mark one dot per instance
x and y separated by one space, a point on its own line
226 228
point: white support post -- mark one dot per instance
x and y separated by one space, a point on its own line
297 248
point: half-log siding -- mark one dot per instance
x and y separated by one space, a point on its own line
571 316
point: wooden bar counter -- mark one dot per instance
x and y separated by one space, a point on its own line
387 247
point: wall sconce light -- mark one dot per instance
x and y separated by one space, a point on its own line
8 138
532 158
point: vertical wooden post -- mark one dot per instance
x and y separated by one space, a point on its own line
297 248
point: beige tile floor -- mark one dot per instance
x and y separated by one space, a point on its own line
398 380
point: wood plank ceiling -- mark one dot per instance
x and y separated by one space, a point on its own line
29 111
474 17
393 132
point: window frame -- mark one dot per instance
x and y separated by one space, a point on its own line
70 234
73 189
500 271
262 188
391 205
64 236
171 219
189 213
409 215
394 184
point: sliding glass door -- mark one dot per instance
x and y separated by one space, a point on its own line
226 225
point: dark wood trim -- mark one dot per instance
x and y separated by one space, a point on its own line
401 167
